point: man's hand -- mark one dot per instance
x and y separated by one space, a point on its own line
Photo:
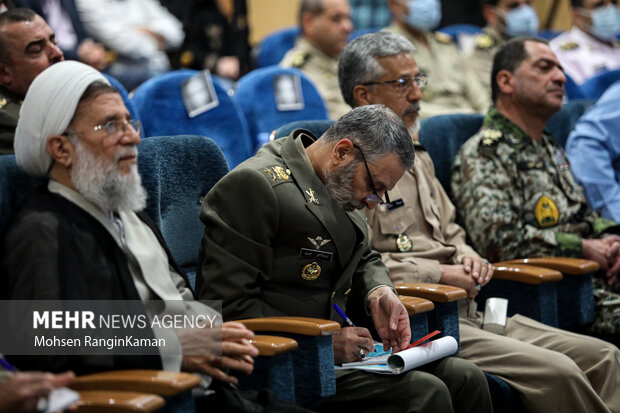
237 353
456 276
92 54
606 252
479 268
348 342
390 318
21 392
227 66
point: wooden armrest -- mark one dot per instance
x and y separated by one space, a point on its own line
525 273
296 325
118 401
569 266
434 292
273 345
416 305
165 383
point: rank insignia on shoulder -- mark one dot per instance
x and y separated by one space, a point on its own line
299 59
547 213
529 165
404 243
311 272
569 46
2 103
491 137
443 38
278 174
484 41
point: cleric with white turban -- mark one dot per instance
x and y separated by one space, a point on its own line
47 110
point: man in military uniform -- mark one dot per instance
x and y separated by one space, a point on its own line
505 19
419 241
303 247
325 27
27 47
512 184
453 85
590 47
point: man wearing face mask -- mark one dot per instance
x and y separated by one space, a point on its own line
453 87
590 47
505 19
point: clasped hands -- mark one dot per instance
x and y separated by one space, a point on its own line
472 271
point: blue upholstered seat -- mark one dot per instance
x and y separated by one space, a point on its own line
256 96
454 30
131 106
572 90
594 87
163 112
274 46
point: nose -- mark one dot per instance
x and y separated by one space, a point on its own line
130 136
414 94
54 54
347 25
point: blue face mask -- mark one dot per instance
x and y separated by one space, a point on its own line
521 21
605 22
424 15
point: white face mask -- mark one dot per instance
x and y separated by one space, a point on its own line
424 15
605 21
521 21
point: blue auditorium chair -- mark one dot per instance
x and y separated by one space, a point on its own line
549 34
572 91
274 46
257 98
131 106
162 111
594 87
454 30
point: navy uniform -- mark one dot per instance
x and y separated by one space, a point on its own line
276 244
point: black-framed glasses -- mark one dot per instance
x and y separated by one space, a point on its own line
374 198
404 83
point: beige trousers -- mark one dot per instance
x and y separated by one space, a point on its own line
553 370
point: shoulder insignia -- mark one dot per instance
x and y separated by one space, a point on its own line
443 38
484 41
278 174
569 46
546 212
300 59
491 137
3 103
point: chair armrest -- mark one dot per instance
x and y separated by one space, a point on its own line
273 345
118 401
416 305
569 266
165 383
434 292
527 274
296 325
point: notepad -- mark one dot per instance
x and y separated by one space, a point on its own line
407 359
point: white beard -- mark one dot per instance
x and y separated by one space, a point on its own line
101 183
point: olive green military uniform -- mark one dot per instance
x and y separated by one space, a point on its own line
517 198
486 44
10 103
418 233
276 244
453 87
322 70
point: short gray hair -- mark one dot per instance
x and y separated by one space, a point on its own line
377 130
314 7
358 61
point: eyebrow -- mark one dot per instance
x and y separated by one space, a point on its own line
40 42
549 61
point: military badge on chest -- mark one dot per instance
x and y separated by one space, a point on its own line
547 213
404 243
311 272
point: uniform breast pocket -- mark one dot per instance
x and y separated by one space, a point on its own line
397 221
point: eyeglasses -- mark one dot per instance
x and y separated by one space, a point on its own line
116 126
404 83
374 198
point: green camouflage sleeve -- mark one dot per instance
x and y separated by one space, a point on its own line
488 206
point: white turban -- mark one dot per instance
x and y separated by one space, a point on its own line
47 110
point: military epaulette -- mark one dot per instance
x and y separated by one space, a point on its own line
569 46
299 59
489 138
277 174
3 103
443 38
484 41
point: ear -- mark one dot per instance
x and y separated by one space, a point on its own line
62 150
307 24
397 8
342 153
6 75
362 95
578 19
505 82
490 15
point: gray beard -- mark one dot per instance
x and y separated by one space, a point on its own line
339 184
101 183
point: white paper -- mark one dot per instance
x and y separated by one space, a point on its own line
60 399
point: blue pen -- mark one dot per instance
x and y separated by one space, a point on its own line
5 363
343 315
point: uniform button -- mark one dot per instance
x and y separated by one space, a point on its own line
347 292
333 294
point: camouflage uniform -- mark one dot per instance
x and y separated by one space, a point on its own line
10 103
517 198
486 44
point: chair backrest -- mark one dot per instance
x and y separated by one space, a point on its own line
594 87
15 186
177 172
256 94
274 46
563 122
549 34
163 112
316 127
572 91
131 106
442 136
